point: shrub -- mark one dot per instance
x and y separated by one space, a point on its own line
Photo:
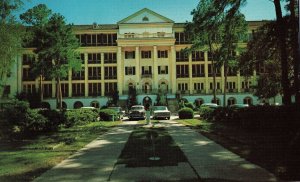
186 113
206 113
35 122
189 105
106 114
80 117
56 118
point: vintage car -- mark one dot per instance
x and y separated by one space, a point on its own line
160 112
119 111
137 112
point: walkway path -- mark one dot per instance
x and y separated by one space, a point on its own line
207 161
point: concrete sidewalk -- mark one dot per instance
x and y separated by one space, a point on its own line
207 161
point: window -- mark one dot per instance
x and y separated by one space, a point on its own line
247 100
181 38
181 57
146 70
231 86
146 54
110 72
162 54
182 71
246 86
198 70
210 73
129 70
29 88
129 54
231 101
6 91
162 70
78 105
27 76
79 75
82 58
94 89
145 18
110 58
94 73
198 86
94 58
129 35
28 59
78 89
182 86
65 89
97 39
197 56
218 86
47 90
109 88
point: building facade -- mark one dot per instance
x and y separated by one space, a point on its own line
142 51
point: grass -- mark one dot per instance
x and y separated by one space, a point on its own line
139 148
268 150
143 122
25 160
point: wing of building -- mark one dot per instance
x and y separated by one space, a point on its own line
141 51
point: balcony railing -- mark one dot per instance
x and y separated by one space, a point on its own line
146 75
145 35
199 91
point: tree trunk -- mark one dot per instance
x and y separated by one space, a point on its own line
225 84
295 48
58 94
41 88
213 72
281 32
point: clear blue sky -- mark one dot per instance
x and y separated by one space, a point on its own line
112 11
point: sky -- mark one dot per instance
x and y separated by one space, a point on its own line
82 12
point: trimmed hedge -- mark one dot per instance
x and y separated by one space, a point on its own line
80 117
186 113
106 114
206 113
56 118
189 105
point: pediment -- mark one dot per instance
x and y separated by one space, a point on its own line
145 16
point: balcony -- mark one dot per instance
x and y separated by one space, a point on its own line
146 75
145 35
199 91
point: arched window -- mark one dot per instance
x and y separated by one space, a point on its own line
217 101
78 105
45 105
95 104
247 100
64 105
231 101
199 102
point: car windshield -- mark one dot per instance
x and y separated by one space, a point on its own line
156 108
137 108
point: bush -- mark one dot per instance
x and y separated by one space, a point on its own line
207 113
56 118
20 119
189 105
106 114
186 113
80 117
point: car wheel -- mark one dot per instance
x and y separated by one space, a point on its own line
168 118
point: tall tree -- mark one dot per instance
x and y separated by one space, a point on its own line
37 17
11 34
206 32
281 33
56 45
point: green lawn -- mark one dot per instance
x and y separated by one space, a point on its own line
24 160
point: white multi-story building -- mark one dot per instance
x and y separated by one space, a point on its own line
141 51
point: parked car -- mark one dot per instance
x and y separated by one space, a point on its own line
90 108
210 105
137 112
161 112
238 106
118 110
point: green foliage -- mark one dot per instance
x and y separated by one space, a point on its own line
206 113
189 105
106 114
186 113
56 118
80 117
33 98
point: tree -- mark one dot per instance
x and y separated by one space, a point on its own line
11 34
56 48
37 17
206 30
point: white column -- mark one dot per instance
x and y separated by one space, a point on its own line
120 71
70 83
190 75
173 69
138 68
206 86
155 69
86 74
102 74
